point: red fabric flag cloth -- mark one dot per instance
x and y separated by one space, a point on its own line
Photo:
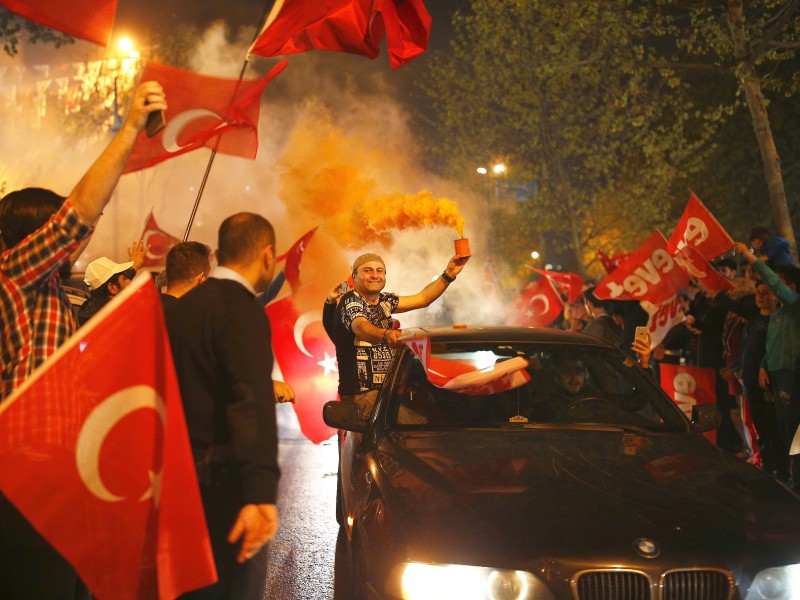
571 281
159 242
662 318
698 229
537 306
688 385
467 377
203 112
355 26
307 359
293 258
111 482
610 263
90 20
650 274
696 265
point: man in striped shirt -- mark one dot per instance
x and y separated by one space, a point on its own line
40 234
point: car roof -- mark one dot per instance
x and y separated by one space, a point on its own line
502 333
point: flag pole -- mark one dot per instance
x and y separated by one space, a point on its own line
260 27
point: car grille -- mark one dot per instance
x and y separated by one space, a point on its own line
635 585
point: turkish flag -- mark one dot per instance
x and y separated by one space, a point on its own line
571 281
293 258
466 377
355 26
203 112
688 385
697 228
307 359
108 479
650 274
611 262
537 306
158 241
90 20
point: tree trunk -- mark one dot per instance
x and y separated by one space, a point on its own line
754 96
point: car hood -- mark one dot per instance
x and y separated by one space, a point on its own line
581 492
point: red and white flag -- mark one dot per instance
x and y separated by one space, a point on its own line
663 317
572 282
611 262
355 26
90 20
537 306
649 274
698 229
157 241
94 453
293 257
696 265
688 385
203 112
307 359
466 377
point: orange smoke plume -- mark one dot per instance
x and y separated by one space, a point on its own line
375 219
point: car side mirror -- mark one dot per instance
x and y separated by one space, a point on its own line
343 415
706 417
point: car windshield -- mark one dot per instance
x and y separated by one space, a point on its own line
491 384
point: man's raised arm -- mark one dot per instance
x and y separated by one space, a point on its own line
94 189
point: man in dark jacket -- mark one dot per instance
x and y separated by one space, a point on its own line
221 344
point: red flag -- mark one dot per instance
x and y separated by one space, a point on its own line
307 360
663 317
355 26
537 306
203 112
293 257
159 242
467 377
695 264
699 229
571 281
649 273
688 386
90 20
127 513
610 263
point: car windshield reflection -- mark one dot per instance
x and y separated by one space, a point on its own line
494 385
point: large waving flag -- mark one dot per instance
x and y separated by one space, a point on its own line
649 274
698 229
157 241
203 112
537 306
94 453
90 20
572 282
355 26
687 386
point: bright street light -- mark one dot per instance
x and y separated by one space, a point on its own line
481 170
535 255
501 168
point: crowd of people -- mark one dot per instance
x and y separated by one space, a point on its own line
749 335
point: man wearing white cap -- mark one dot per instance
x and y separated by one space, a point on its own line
105 279
363 331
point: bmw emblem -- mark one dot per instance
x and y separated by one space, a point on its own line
647 548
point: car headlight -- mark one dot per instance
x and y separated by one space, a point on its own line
776 583
421 581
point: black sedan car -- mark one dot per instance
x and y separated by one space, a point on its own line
513 463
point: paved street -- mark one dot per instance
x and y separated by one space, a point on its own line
301 557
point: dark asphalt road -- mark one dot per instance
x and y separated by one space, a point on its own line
301 556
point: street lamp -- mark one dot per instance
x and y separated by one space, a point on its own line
492 189
125 64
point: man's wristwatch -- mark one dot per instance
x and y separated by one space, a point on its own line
447 277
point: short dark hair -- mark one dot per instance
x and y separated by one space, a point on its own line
185 261
759 233
24 211
726 262
242 236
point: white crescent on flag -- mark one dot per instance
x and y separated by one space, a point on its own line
98 425
181 120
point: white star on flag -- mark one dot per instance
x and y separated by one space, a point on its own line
329 364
